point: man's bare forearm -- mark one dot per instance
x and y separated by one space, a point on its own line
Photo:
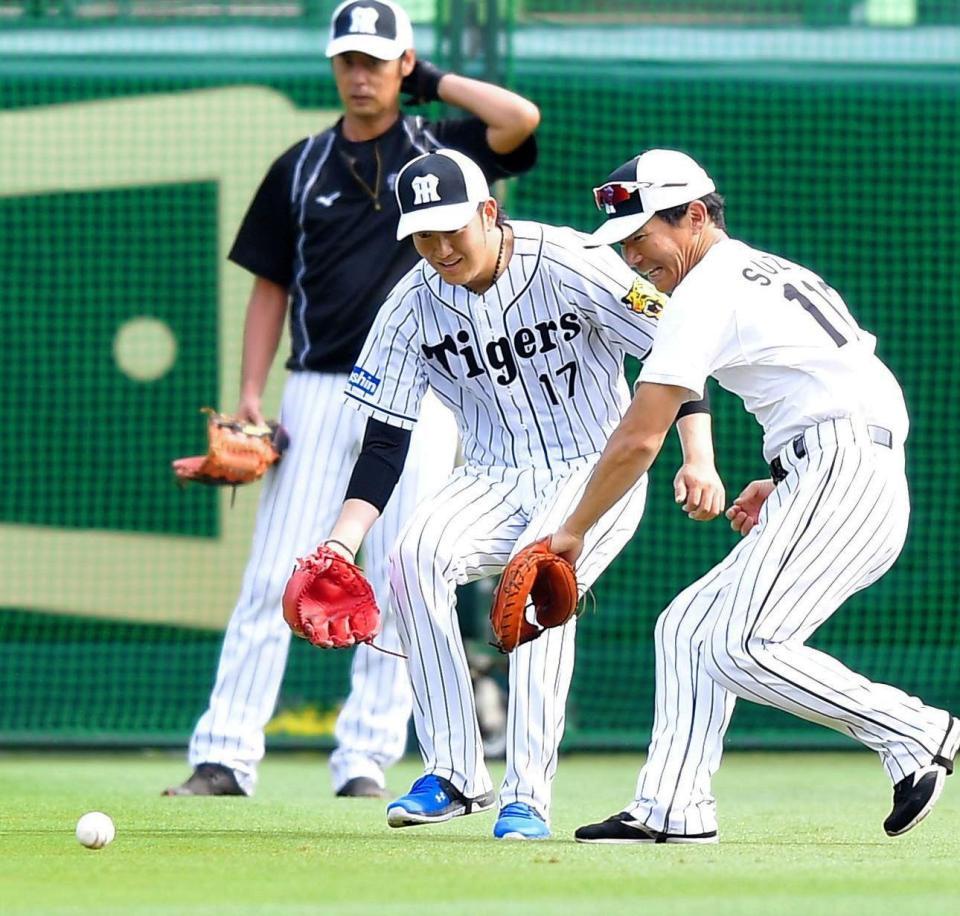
510 118
263 327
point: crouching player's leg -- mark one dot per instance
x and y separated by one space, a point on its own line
540 671
467 531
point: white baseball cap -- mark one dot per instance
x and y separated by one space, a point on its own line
439 192
655 180
379 28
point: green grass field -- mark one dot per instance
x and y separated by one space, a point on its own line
800 833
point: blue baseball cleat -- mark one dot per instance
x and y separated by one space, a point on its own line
433 799
518 821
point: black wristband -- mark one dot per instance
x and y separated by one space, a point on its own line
423 83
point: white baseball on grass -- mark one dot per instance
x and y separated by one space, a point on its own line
95 830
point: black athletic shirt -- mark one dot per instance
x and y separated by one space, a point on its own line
313 228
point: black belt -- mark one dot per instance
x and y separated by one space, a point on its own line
879 435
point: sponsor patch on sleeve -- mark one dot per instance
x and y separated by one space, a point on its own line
644 298
363 380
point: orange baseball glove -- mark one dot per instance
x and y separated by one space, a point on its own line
237 452
534 576
329 602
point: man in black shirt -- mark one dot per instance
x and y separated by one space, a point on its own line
320 237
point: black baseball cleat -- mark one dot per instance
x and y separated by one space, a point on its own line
623 828
208 779
361 787
915 796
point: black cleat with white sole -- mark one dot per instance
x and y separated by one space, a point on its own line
623 828
915 795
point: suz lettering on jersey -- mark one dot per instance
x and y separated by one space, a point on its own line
460 352
760 270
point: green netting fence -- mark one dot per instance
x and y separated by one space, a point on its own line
132 135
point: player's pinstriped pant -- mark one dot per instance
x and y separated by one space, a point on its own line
467 531
832 527
298 506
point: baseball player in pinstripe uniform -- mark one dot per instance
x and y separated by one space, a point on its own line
320 239
521 332
830 521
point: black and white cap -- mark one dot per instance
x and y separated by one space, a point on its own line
655 180
379 28
439 192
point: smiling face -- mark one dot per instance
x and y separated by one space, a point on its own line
467 256
665 253
369 87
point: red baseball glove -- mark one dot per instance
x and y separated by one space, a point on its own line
329 602
237 452
535 575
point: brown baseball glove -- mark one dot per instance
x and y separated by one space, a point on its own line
329 602
534 576
237 452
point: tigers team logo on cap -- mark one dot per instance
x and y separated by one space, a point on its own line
439 192
379 28
425 190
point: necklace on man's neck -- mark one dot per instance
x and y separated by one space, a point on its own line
496 267
374 192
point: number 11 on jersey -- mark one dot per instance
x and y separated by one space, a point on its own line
794 295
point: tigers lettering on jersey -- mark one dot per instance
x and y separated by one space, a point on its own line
644 299
532 369
501 354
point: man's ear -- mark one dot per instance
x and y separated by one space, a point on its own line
407 62
490 210
697 214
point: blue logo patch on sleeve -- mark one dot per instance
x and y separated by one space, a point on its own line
363 380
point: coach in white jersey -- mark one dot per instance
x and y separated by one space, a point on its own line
521 331
830 521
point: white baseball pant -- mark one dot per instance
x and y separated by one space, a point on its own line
299 503
469 530
835 525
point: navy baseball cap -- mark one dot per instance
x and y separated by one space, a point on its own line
655 180
439 192
379 28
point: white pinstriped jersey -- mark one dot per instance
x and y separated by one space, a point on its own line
532 369
780 338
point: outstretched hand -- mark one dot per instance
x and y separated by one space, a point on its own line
699 490
745 511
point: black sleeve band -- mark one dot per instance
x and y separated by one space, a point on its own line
380 463
701 406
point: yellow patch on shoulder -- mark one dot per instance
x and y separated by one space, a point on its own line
645 298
